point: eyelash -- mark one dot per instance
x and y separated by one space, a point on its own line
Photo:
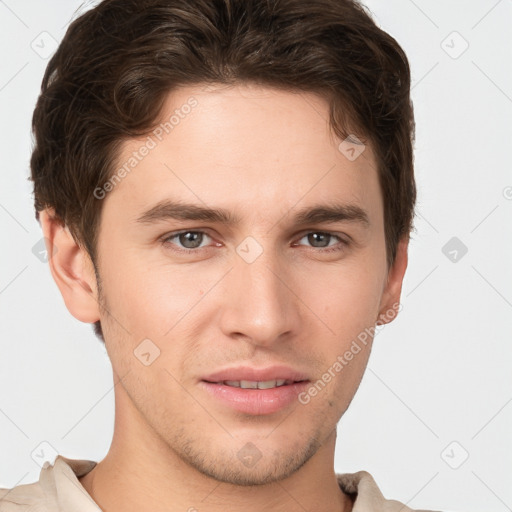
343 243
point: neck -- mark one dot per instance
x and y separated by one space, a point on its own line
142 473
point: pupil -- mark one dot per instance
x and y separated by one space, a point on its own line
315 237
189 239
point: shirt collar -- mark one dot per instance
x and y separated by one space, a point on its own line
61 479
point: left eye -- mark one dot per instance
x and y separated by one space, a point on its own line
324 239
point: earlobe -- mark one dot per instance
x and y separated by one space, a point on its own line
71 268
390 301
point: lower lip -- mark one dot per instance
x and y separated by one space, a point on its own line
256 401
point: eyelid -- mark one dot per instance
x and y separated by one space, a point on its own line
343 239
342 236
165 239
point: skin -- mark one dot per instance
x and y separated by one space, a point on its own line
174 446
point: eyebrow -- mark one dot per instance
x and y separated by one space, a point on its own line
178 210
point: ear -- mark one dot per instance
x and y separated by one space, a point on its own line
390 300
71 268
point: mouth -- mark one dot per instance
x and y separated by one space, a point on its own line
255 391
253 384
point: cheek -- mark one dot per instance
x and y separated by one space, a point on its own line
351 297
330 394
349 308
149 300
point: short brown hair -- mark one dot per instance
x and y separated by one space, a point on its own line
116 64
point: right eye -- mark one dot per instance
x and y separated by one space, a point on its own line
189 240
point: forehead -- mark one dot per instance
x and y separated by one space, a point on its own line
250 148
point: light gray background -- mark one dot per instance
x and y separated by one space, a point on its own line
438 387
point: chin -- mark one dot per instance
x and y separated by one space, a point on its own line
261 474
249 466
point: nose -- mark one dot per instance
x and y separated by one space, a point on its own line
259 303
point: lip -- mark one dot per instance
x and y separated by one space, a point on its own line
256 374
255 401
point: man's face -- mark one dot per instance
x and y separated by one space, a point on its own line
227 300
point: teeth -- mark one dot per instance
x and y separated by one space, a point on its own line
251 384
248 384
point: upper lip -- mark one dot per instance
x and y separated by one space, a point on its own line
256 374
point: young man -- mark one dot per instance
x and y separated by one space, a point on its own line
226 189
